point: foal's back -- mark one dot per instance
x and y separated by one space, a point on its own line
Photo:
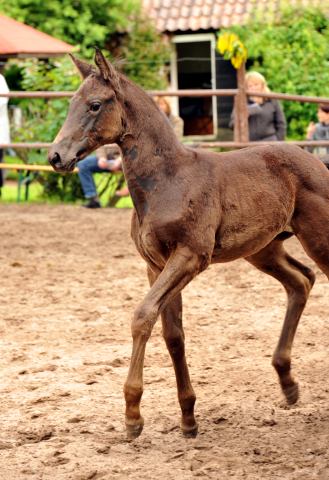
232 204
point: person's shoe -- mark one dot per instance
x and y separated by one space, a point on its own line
92 204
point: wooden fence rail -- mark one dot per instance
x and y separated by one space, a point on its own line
241 129
240 94
181 93
23 166
300 143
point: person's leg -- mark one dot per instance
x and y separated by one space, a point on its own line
87 168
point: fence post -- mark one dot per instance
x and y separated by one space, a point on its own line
242 104
236 128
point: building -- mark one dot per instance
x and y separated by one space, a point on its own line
191 26
18 40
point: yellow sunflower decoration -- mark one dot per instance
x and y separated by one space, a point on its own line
232 49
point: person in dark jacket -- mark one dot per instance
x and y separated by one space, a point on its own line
265 115
319 131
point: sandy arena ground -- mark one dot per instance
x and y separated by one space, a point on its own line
70 280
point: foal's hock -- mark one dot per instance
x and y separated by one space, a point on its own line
193 208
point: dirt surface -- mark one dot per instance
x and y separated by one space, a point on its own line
70 280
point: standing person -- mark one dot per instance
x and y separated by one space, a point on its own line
319 131
4 121
265 115
106 159
176 122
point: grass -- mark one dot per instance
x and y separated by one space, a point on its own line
9 192
125 202
12 174
9 195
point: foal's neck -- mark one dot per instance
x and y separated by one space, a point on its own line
150 149
148 140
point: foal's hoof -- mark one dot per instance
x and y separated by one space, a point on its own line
292 395
134 430
190 432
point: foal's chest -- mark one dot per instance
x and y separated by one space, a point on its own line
149 246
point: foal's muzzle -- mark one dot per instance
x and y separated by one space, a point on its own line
58 164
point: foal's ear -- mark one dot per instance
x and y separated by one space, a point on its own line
84 68
107 70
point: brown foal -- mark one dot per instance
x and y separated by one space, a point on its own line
193 208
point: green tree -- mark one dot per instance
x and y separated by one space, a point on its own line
44 118
145 54
290 47
115 25
83 23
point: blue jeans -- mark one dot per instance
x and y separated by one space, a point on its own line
87 167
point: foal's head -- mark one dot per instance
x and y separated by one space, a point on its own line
94 117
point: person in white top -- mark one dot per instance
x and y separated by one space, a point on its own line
4 121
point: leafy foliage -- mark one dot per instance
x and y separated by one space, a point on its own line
145 55
43 117
83 23
43 120
142 48
290 47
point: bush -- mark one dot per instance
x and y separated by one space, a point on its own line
82 23
146 55
290 47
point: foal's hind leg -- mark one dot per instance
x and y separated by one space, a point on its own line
297 281
312 227
173 334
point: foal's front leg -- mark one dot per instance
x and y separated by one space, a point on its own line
181 268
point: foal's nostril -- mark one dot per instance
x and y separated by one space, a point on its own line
56 160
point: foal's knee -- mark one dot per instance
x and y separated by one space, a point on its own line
144 319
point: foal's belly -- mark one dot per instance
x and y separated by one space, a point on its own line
234 248
243 238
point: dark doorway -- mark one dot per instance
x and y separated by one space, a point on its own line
194 72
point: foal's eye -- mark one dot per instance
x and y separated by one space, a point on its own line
94 107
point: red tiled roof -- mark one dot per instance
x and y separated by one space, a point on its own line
20 40
175 15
